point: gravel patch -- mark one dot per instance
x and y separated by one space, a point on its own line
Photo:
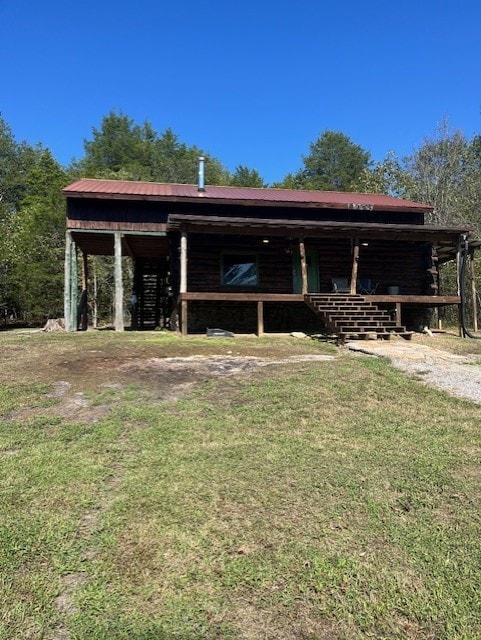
458 375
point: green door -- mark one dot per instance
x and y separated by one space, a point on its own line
312 259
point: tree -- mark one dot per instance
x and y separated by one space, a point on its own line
334 163
36 241
388 176
245 177
123 150
445 173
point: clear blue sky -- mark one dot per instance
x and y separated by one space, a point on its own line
252 82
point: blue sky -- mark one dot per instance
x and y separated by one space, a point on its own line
252 82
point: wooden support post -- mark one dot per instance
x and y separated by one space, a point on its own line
460 321
398 314
74 290
183 261
302 256
355 266
260 318
184 318
85 278
473 292
68 281
119 287
458 268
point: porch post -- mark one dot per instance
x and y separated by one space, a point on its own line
355 266
84 297
260 318
458 286
119 287
458 267
67 300
184 318
74 288
70 283
302 256
473 292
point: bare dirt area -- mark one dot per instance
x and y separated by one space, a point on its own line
88 360
165 367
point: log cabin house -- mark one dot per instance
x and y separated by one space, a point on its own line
257 260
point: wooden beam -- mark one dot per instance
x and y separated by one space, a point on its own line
430 301
119 288
355 266
183 261
302 255
260 318
219 296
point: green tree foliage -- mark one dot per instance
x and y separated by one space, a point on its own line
445 172
123 150
388 176
37 241
32 227
334 163
245 177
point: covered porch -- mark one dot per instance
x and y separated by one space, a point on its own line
285 263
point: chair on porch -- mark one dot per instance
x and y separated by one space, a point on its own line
340 285
366 286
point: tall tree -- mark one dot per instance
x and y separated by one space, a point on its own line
245 177
388 176
334 163
123 150
36 241
445 173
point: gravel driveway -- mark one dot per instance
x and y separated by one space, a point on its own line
458 375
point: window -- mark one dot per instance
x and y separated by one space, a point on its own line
239 269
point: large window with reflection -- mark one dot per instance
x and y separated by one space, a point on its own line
239 269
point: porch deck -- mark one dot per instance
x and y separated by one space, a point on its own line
394 301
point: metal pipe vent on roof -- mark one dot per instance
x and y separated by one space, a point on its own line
201 183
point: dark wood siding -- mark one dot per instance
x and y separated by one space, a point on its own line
387 262
99 209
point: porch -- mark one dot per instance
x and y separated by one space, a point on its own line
393 305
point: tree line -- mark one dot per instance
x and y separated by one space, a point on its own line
444 171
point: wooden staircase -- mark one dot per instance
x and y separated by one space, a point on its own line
150 284
354 317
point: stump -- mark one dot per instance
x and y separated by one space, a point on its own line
54 324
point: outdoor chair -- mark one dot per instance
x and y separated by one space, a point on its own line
340 285
366 286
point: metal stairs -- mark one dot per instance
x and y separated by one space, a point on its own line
354 317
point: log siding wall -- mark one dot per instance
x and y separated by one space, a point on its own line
387 262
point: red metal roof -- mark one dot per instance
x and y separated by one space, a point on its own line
90 188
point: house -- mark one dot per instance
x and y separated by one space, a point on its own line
258 260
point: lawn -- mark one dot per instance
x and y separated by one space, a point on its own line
146 499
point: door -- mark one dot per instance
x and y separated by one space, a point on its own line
312 260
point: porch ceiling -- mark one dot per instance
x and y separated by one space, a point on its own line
134 245
445 237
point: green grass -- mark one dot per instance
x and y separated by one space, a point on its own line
324 500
